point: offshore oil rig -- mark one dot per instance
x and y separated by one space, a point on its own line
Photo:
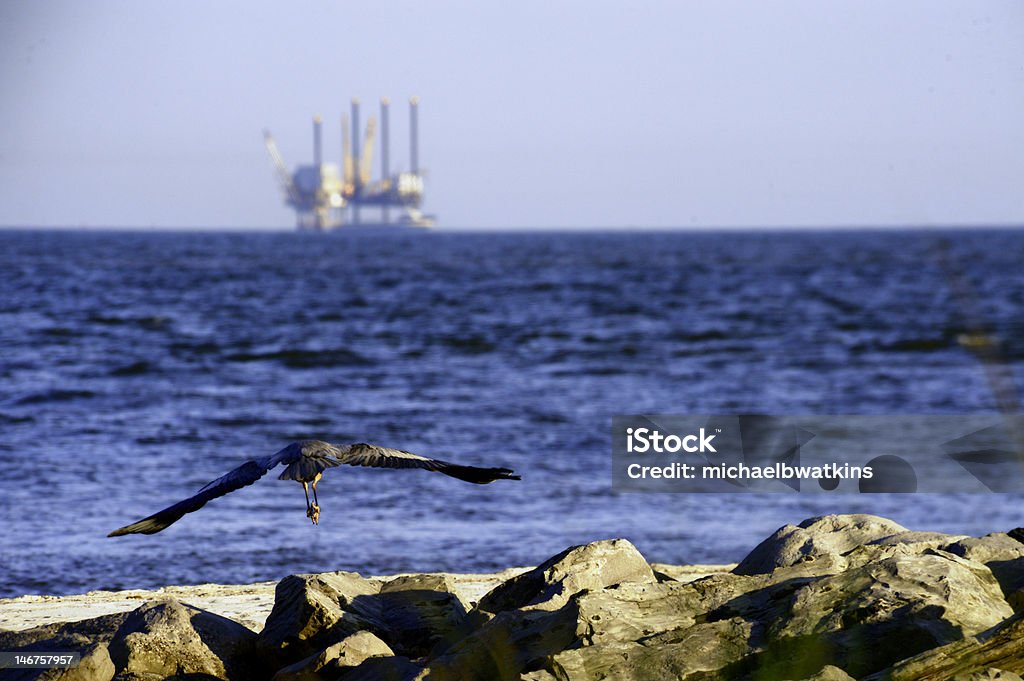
326 198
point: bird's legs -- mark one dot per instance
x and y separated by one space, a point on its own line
312 510
316 503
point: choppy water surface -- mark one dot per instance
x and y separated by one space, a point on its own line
136 367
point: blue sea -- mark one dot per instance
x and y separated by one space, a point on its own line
137 366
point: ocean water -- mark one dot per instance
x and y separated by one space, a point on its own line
135 367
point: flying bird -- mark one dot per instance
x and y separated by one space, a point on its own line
306 461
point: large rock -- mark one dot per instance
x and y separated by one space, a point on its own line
335 659
918 541
831 536
538 675
387 669
830 598
512 642
314 611
94 665
533 615
869 617
791 621
634 612
594 612
591 566
413 614
830 673
89 637
672 655
421 613
1003 555
994 654
170 638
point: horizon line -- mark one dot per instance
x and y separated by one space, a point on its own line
555 228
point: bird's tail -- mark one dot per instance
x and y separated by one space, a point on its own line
480 476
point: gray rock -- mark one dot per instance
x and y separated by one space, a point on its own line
507 645
421 613
990 674
386 669
637 611
673 655
633 612
999 650
688 573
171 638
799 621
333 660
538 675
830 673
533 616
1003 555
94 665
992 547
312 612
609 603
827 536
919 541
591 566
63 635
413 614
870 617
88 637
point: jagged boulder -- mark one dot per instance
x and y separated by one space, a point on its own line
512 642
396 668
1003 555
918 541
675 654
869 617
335 659
157 640
413 614
632 612
831 536
994 654
591 566
538 675
90 637
421 613
533 615
94 665
170 638
312 612
791 620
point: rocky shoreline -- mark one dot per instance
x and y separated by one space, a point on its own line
833 598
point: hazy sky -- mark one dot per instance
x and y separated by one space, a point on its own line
538 114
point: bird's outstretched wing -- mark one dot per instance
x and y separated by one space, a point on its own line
362 454
246 474
304 460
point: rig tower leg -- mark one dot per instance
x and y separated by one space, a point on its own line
414 151
384 147
356 156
